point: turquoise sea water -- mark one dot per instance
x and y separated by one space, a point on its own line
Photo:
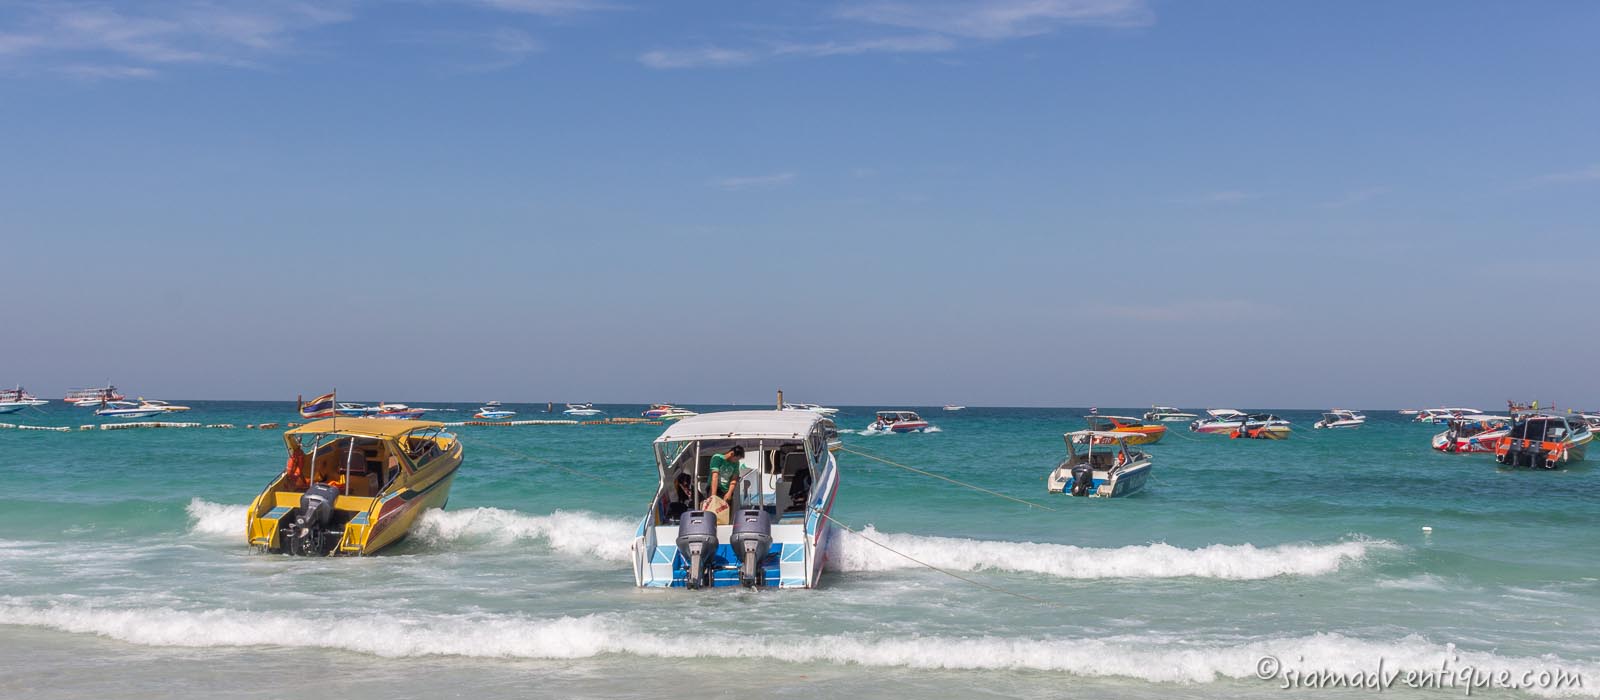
124 573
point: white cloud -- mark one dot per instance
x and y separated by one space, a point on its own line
997 19
89 71
146 35
695 58
1589 174
753 181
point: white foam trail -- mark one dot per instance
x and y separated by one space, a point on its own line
1221 561
569 532
217 518
1147 658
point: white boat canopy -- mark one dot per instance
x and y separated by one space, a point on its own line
1080 435
1224 412
775 425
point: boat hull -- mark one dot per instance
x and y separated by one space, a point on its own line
1116 483
1534 454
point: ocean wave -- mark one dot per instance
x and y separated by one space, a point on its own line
1149 658
569 532
1221 561
207 518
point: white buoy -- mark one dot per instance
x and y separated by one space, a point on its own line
1427 528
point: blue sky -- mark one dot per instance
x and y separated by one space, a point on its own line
1008 202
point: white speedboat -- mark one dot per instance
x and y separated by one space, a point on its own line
582 409
899 422
1339 418
814 408
775 533
127 409
164 406
13 400
493 411
953 407
1441 416
1222 420
1114 470
676 414
1168 414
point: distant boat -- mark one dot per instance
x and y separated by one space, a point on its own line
814 408
13 400
127 409
1262 426
899 422
582 409
1472 434
1168 414
89 398
1441 416
677 414
1222 420
164 406
398 411
1338 418
953 407
657 410
1137 431
493 411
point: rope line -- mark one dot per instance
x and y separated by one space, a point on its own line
964 484
951 574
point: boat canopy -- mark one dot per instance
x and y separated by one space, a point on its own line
363 427
1224 412
1098 434
774 425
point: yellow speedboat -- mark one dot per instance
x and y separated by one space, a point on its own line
353 486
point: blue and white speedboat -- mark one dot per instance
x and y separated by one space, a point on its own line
582 409
128 409
493 411
775 534
1109 472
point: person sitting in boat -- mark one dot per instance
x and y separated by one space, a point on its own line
725 472
682 498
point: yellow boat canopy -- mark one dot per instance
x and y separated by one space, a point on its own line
363 427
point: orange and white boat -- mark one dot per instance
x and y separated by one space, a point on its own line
1138 430
1544 441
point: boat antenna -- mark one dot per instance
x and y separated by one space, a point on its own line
780 399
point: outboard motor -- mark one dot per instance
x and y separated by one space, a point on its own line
307 534
697 544
752 537
1082 479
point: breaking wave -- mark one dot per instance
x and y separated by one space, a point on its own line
1221 561
1155 659
569 532
216 518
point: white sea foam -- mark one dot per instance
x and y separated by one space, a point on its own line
569 532
209 518
1222 561
1141 657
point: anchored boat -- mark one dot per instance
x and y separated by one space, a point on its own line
582 409
127 409
1109 472
1442 416
1262 426
13 400
1168 414
1544 441
1222 420
89 398
1138 431
1472 434
493 411
777 535
353 486
899 422
1339 418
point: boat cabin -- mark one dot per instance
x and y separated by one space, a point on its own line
892 417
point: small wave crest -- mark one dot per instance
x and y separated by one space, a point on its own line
209 518
570 532
1150 658
1159 560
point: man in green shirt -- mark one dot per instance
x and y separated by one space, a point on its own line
725 472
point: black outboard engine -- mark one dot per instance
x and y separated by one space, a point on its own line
697 543
1082 479
752 537
307 535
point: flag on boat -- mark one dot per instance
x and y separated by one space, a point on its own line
320 407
